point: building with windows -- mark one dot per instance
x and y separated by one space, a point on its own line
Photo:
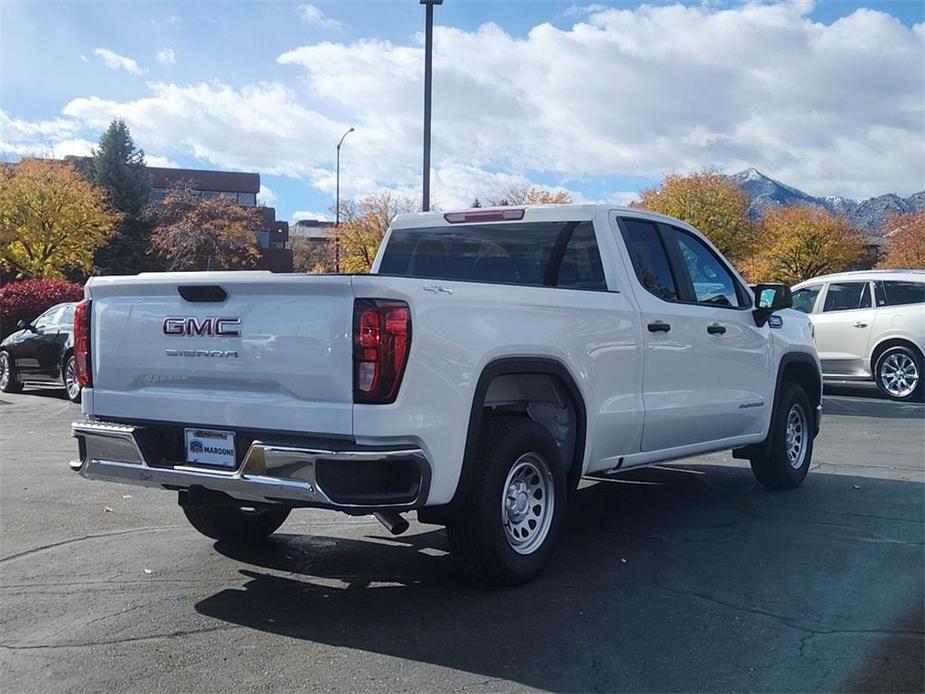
239 186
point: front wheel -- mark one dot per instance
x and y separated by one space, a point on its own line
9 383
69 376
237 525
506 526
784 459
898 373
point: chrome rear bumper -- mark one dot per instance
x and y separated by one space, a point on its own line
269 473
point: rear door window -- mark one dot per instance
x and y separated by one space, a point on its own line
649 259
893 293
550 254
847 296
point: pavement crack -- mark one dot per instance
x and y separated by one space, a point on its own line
116 642
90 536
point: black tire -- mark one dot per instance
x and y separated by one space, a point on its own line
234 525
776 464
903 361
482 541
9 382
69 379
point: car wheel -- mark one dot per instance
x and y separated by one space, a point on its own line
69 377
9 383
784 459
898 373
237 525
505 529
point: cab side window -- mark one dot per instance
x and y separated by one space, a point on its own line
847 296
650 261
805 299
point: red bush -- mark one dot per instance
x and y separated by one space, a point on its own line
28 299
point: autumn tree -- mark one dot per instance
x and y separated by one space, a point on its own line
198 233
905 241
51 219
313 255
530 195
362 226
710 202
118 167
801 242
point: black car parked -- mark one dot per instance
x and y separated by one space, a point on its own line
41 351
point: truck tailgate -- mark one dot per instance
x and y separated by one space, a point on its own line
288 369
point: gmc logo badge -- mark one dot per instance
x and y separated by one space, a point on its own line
203 327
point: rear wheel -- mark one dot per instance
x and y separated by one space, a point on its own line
504 531
784 459
238 525
69 376
9 383
898 373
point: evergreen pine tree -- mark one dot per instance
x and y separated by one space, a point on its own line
119 168
476 203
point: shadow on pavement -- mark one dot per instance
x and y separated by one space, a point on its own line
676 578
880 409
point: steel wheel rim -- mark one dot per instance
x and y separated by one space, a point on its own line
4 370
796 436
899 375
70 379
527 503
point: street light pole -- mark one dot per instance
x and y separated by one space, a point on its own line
337 206
428 68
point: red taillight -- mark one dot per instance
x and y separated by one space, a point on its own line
506 215
381 340
82 343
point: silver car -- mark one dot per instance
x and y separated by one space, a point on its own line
869 325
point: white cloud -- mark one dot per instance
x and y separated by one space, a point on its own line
170 20
159 160
84 59
114 61
266 196
314 16
833 109
306 214
166 56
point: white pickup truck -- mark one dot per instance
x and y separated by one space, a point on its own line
491 359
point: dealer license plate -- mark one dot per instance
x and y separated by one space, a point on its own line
210 447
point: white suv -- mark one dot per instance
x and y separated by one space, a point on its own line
869 325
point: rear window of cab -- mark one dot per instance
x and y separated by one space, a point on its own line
538 254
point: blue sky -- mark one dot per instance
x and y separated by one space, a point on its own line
599 99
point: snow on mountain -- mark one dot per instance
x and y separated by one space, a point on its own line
870 214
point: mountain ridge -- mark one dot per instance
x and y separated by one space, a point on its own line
869 214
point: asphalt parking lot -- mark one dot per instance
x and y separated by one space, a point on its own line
679 578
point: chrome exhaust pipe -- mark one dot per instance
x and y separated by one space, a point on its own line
392 521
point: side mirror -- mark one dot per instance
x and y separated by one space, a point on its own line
24 325
770 298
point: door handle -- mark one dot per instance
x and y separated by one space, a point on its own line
659 327
716 329
859 324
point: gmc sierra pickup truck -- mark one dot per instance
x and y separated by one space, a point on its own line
491 359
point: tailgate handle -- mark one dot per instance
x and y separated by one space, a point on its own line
203 293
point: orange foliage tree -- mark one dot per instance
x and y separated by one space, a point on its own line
363 223
905 241
711 203
530 195
198 233
800 242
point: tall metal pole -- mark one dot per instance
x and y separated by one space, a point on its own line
428 66
337 206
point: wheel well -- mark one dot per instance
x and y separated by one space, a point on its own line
885 345
806 375
544 391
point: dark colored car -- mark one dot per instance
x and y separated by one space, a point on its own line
42 352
